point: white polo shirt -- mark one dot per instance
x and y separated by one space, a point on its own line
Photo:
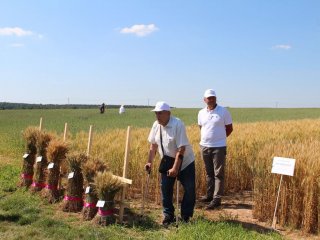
213 130
173 136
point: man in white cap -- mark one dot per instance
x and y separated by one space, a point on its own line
168 135
216 125
121 109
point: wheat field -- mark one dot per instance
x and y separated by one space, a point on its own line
251 148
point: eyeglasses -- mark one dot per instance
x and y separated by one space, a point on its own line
158 113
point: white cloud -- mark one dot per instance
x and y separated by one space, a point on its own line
7 31
140 30
282 46
16 45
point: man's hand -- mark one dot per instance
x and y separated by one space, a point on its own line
173 172
147 167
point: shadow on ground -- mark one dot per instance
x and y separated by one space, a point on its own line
10 217
253 227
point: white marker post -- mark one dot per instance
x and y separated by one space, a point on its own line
125 168
283 166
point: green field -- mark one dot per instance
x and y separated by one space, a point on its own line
24 216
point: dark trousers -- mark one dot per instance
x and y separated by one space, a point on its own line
214 159
187 179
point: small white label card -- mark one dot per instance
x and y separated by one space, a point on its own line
25 155
50 165
39 159
87 189
71 175
281 165
100 203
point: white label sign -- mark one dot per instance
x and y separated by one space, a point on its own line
25 155
87 189
281 165
100 203
71 175
39 159
50 165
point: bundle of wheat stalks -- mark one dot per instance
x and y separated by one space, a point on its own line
56 153
107 185
43 139
30 136
73 199
90 169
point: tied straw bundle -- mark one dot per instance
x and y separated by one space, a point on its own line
90 169
43 139
73 199
30 136
56 153
107 187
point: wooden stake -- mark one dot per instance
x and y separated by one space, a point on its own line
65 131
124 175
274 221
64 139
89 141
40 125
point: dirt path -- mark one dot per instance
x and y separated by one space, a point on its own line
238 208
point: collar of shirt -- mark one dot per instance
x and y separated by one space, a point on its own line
211 111
169 124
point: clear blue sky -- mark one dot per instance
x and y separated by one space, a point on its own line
253 53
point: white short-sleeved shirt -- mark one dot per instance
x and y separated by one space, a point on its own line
173 136
213 130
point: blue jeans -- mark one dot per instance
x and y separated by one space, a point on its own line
187 179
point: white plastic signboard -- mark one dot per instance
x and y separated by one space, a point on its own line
39 159
71 175
100 203
87 189
25 155
284 166
50 165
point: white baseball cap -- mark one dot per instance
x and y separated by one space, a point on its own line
209 93
161 106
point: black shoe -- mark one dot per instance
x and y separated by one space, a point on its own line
185 219
205 199
167 220
214 204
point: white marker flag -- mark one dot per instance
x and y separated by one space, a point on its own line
281 165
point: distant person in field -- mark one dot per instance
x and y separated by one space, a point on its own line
121 109
216 125
168 136
102 108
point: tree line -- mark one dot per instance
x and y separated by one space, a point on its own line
7 105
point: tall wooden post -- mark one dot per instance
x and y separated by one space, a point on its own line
64 139
65 132
40 124
89 141
124 175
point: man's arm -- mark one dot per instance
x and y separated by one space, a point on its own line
151 156
229 129
173 172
